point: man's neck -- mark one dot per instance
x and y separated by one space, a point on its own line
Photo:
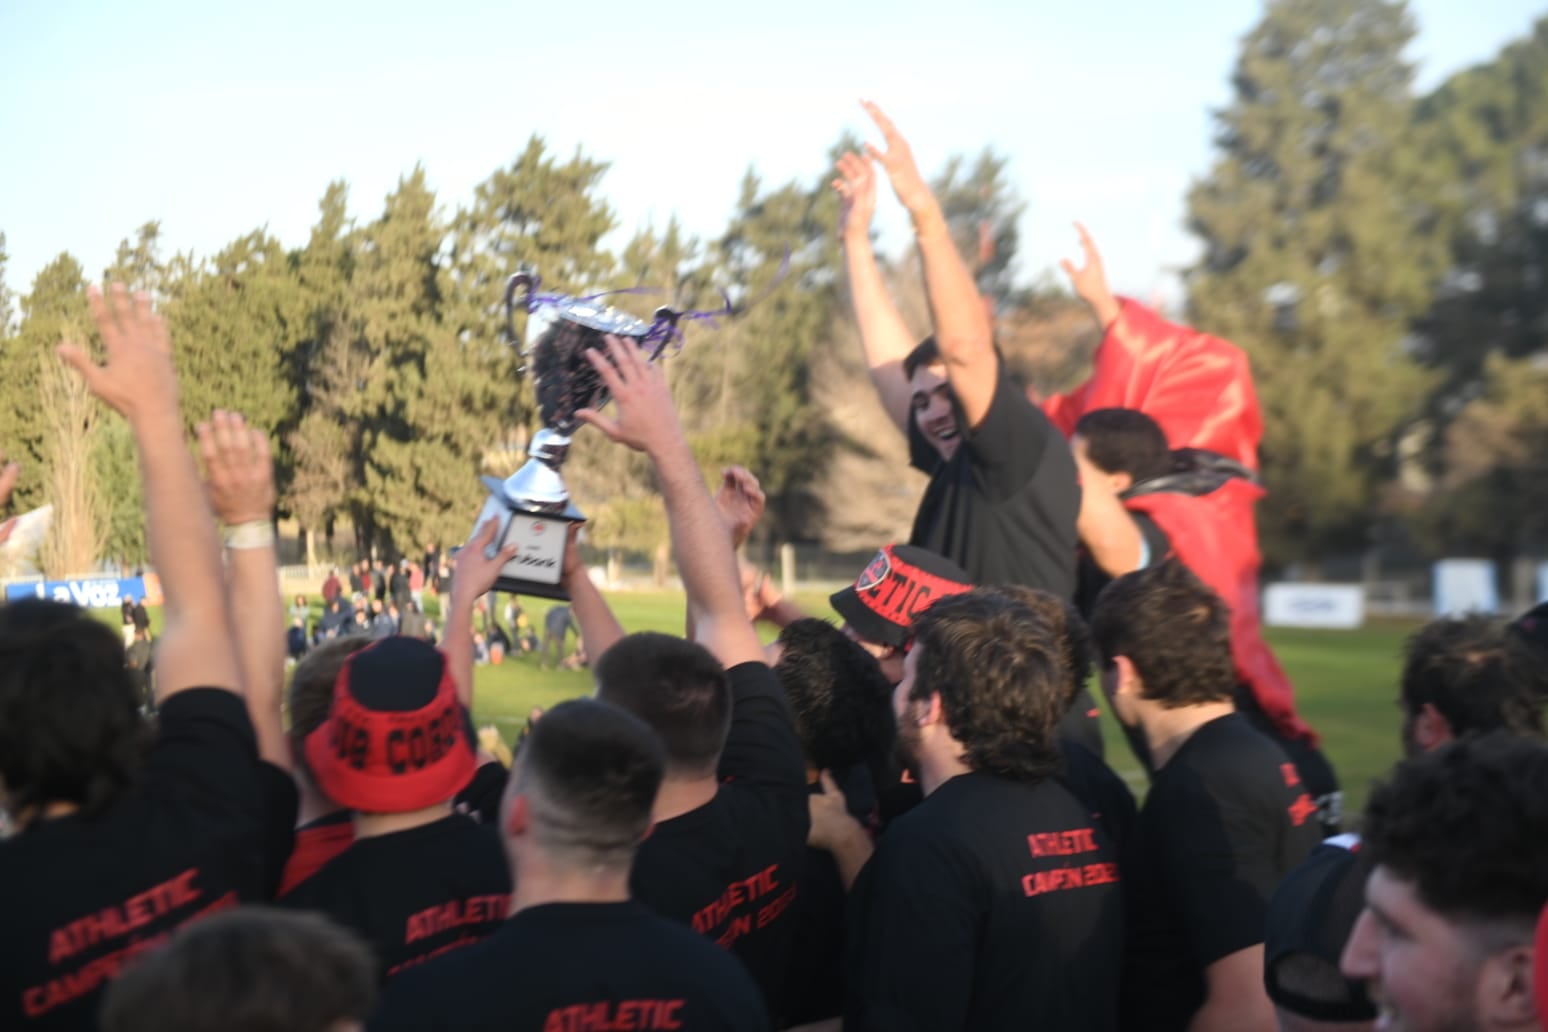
313 804
370 825
1167 729
539 879
935 771
48 811
679 795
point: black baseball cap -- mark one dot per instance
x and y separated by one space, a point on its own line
1310 917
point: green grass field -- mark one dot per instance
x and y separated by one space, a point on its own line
1346 683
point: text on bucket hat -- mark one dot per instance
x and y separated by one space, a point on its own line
897 585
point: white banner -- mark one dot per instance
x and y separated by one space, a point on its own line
1465 586
1542 582
1339 606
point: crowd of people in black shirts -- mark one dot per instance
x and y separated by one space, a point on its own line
906 822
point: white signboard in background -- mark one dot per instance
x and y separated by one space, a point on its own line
1542 582
1465 586
1338 606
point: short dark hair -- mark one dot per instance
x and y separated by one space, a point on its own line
841 699
252 969
1173 628
70 723
1000 677
1467 823
925 354
1475 674
678 688
591 771
1068 630
1120 440
309 699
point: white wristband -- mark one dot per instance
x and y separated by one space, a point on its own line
258 534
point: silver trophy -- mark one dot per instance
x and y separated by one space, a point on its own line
533 504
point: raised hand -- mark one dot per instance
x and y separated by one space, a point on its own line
856 187
137 378
646 419
741 503
238 470
473 572
1090 279
898 161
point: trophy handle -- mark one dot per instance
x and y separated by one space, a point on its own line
526 279
666 317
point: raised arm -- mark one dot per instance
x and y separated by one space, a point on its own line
197 648
240 474
1090 281
599 628
646 421
473 576
883 335
963 330
1105 527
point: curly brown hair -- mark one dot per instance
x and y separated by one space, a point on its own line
1467 823
1068 629
1174 629
1476 675
1000 674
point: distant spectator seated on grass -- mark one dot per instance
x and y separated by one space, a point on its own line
577 952
254 969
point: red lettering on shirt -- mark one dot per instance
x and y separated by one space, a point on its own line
623 1016
117 921
1288 772
456 914
709 920
1063 843
1302 808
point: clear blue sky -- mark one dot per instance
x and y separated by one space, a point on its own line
219 118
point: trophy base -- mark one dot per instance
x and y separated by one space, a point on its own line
540 539
537 589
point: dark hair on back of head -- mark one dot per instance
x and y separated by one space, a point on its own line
925 354
1068 629
841 699
1467 823
1120 440
1173 628
253 969
1000 675
591 771
676 687
1475 674
70 724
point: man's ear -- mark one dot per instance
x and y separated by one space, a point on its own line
1505 993
931 711
1431 728
518 816
1129 682
1121 482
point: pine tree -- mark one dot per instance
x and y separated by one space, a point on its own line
1320 247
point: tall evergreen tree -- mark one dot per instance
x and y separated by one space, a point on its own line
1320 246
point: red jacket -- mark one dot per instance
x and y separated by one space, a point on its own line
1199 389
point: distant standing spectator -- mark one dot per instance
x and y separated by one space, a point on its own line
557 623
416 575
138 660
141 616
413 623
127 607
398 584
300 609
359 578
331 587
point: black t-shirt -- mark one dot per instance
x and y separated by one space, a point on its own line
730 868
815 983
1004 506
992 904
574 967
1106 797
416 893
206 827
1224 821
1090 578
